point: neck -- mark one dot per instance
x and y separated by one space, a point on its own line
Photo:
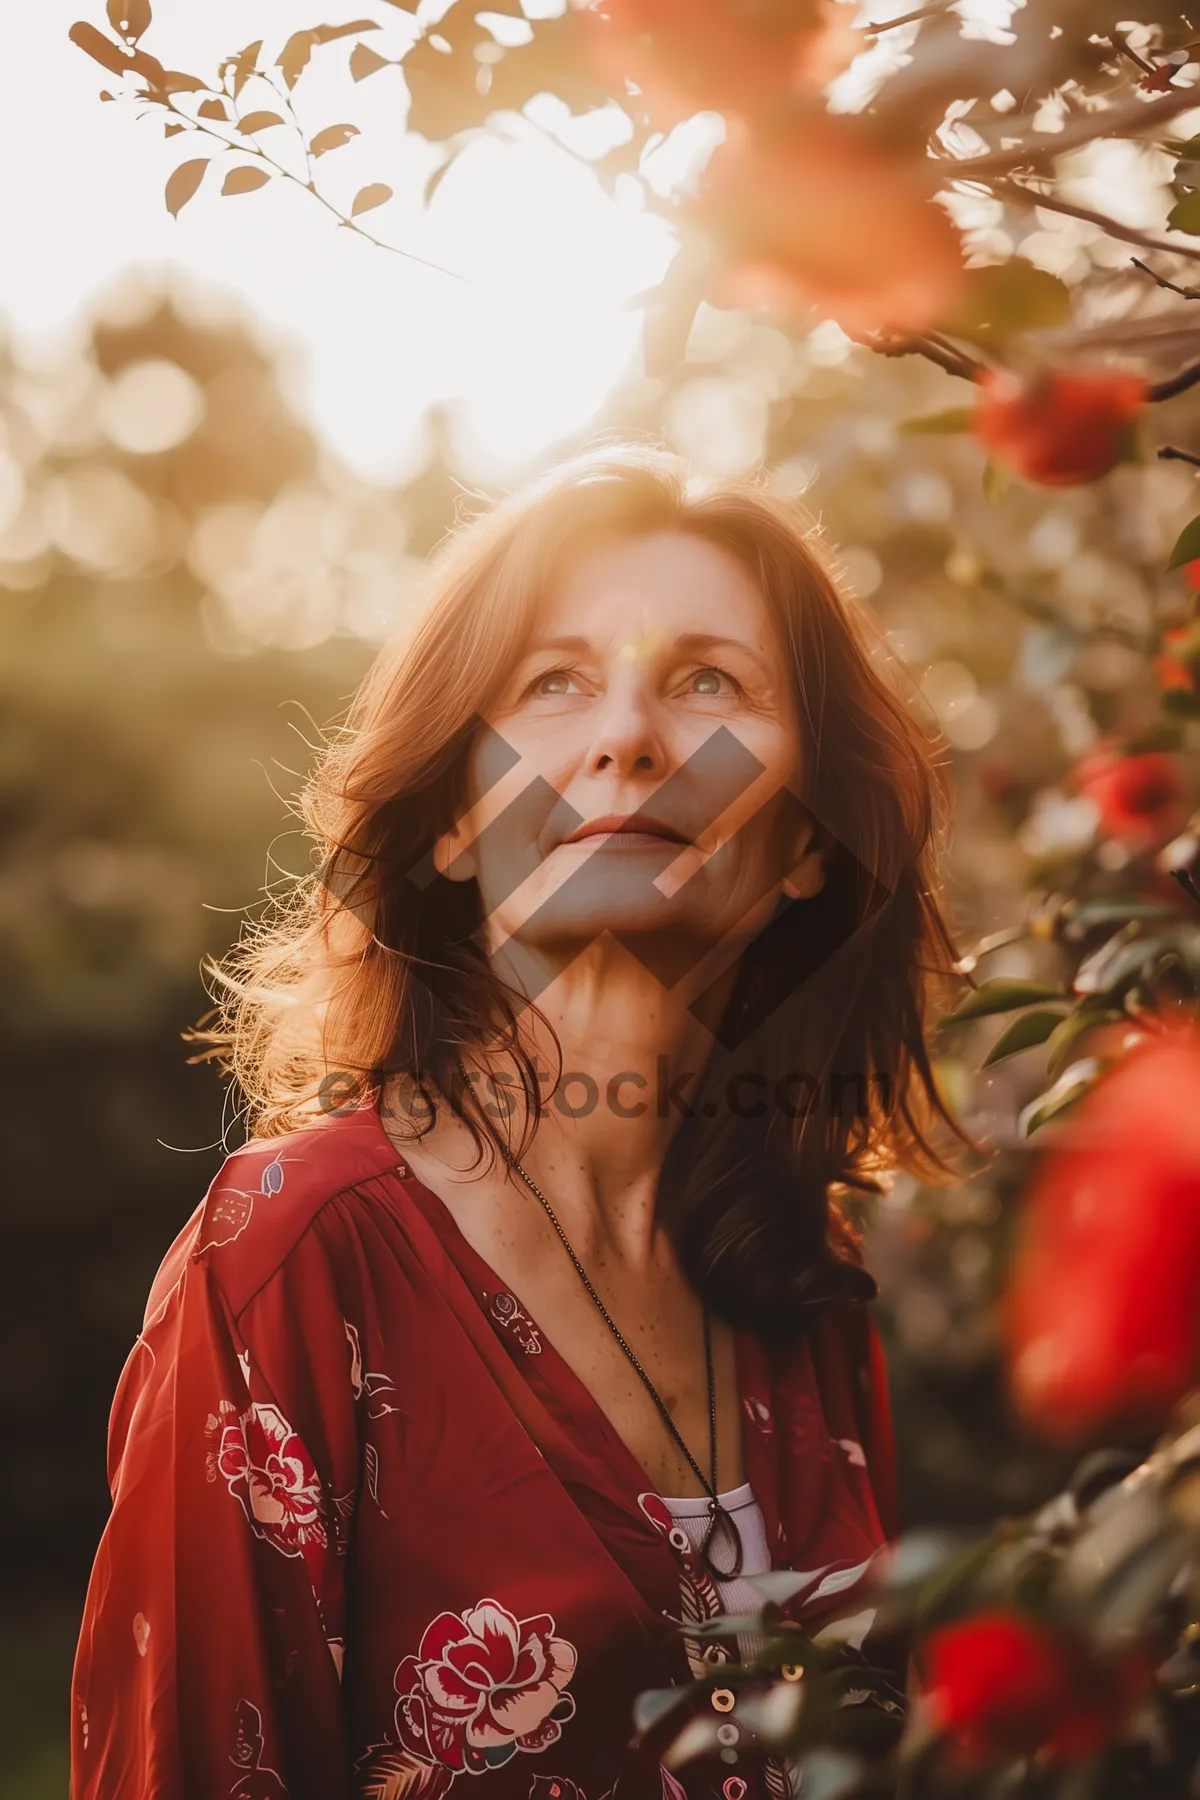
629 1051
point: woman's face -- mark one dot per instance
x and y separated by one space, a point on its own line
640 773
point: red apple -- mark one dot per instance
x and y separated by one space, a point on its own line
1058 428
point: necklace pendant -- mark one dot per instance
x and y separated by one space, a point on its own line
723 1536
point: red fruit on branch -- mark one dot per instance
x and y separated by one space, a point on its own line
1001 1684
1141 798
1102 1317
746 57
818 215
1058 429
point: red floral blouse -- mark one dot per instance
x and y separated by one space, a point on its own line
372 1537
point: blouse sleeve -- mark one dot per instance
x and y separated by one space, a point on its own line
209 1657
879 1444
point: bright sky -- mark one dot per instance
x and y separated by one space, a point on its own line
531 342
528 345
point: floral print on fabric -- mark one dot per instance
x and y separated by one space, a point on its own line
559 1787
389 1772
484 1685
294 1501
229 1208
510 1315
268 1469
698 1596
254 1782
376 1389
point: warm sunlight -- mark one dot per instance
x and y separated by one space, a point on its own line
528 342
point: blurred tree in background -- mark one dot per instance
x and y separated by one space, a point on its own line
190 587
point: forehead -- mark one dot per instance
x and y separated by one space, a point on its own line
668 582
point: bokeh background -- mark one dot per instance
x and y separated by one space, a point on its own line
227 445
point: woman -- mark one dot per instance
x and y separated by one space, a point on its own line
526 1328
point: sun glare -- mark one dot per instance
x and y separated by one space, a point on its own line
524 348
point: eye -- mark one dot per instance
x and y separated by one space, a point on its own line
553 684
710 683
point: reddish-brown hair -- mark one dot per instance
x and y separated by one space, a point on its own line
371 964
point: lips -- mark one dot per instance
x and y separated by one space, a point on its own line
627 825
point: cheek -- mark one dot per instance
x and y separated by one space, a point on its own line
775 787
513 795
508 776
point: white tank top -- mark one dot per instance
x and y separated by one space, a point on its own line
738 1595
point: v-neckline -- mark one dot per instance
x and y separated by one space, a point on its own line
634 1481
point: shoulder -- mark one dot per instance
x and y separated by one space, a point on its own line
265 1196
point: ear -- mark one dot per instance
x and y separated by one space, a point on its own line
806 876
451 858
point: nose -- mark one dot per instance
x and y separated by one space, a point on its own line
627 739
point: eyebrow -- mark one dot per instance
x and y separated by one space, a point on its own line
689 643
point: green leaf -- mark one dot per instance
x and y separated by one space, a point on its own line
183 182
1030 1029
377 194
1185 214
129 18
953 418
245 180
830 1773
1090 913
1180 703
364 61
1010 297
1187 544
1119 962
259 121
244 64
332 138
326 34
1069 1088
110 56
1063 1040
293 59
1003 994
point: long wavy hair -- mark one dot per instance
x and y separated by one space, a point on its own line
371 964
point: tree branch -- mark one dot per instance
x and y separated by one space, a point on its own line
912 18
1175 384
249 147
1187 882
1116 121
1122 43
1126 234
1185 293
932 347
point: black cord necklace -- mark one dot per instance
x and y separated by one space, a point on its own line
719 1520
